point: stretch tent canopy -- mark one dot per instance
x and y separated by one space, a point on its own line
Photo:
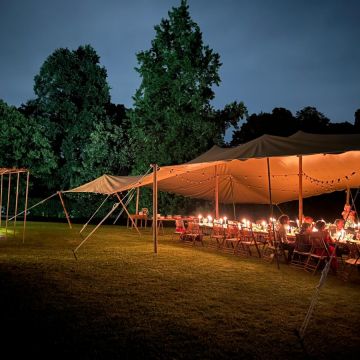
329 163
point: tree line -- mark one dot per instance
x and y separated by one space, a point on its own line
71 132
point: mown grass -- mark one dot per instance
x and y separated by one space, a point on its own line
119 300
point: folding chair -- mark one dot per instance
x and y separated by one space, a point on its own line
318 253
302 251
352 261
179 229
193 233
272 247
217 236
232 238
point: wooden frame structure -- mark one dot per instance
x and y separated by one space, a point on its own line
9 172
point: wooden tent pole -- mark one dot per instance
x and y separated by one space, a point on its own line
26 203
65 211
272 212
216 193
1 195
301 209
348 194
16 200
155 208
8 204
126 210
232 195
137 203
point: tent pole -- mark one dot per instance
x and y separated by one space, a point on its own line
137 203
232 195
132 220
216 193
16 200
155 208
348 194
8 205
272 212
301 209
65 211
1 195
26 203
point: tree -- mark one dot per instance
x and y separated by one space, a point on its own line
72 93
280 122
172 120
24 143
357 120
312 121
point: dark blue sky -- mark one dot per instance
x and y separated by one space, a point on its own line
274 53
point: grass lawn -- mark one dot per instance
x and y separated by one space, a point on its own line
119 300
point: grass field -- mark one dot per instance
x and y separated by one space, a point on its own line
119 300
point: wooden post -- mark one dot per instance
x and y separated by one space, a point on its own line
301 210
8 204
26 203
155 208
65 211
126 210
272 212
16 200
232 195
137 204
348 195
216 193
1 196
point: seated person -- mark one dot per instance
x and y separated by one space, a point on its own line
349 216
320 225
308 220
285 244
306 228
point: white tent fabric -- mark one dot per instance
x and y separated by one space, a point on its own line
330 163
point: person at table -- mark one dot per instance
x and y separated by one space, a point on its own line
306 228
320 225
308 220
285 243
340 235
349 216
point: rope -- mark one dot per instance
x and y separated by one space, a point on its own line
132 191
40 202
87 223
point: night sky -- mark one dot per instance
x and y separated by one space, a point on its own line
274 53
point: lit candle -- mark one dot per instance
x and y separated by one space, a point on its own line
209 218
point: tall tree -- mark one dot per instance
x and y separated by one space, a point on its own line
173 120
24 143
280 122
312 121
72 93
357 120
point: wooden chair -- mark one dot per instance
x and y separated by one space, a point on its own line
193 233
353 260
246 240
232 238
217 236
302 251
179 229
272 248
318 253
